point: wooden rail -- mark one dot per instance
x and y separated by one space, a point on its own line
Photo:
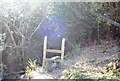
53 51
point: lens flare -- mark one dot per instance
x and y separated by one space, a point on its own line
54 29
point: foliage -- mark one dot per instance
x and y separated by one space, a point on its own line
76 48
117 75
3 70
91 73
73 74
31 66
112 69
84 23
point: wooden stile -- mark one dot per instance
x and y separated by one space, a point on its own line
45 50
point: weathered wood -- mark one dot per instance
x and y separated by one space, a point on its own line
44 50
53 51
62 49
48 65
56 59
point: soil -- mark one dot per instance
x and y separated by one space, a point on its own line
94 55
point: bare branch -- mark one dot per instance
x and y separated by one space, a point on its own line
39 25
10 34
12 24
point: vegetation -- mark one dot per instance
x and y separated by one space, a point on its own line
73 74
23 26
31 66
92 73
3 71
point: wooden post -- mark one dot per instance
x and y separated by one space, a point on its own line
62 50
44 50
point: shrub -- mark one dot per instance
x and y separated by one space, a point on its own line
31 66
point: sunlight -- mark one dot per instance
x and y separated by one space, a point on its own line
54 29
9 1
54 39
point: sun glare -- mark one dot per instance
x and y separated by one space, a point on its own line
9 1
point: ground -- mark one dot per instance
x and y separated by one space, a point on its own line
89 60
93 57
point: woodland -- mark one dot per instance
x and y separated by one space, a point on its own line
92 39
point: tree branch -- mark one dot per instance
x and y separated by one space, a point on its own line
10 34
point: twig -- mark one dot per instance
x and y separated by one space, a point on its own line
10 34
21 72
12 24
70 77
38 26
15 29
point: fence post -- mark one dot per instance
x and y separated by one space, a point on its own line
62 49
44 50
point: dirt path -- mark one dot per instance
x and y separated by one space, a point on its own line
94 55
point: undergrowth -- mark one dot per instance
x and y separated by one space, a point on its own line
100 73
31 66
